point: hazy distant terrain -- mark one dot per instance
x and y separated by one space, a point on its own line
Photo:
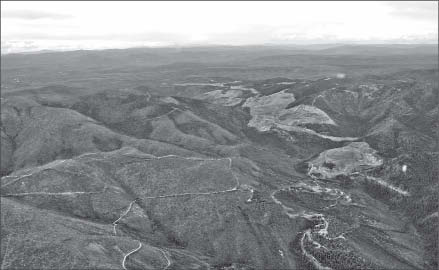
161 67
261 157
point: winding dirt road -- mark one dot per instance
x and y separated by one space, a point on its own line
122 216
130 253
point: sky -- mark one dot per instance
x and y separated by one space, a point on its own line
33 26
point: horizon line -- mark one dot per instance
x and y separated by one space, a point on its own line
188 46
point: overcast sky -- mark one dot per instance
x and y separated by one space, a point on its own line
30 26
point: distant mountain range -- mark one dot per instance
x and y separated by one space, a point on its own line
318 48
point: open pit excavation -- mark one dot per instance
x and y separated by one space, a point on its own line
346 160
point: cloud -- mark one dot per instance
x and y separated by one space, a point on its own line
140 36
17 46
427 10
24 14
54 25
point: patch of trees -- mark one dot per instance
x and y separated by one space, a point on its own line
340 259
